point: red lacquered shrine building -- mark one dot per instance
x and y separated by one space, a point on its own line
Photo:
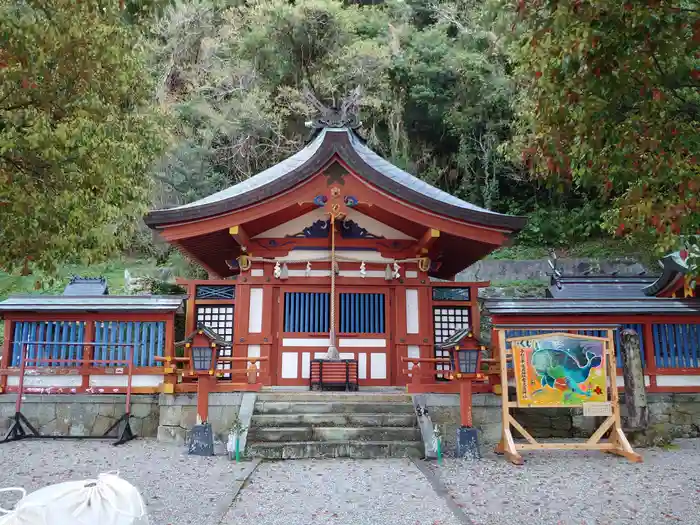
270 243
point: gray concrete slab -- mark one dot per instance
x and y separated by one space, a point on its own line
357 492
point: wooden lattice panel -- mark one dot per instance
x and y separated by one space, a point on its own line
220 320
446 321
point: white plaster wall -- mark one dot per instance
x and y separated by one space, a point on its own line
412 312
290 365
377 366
47 381
678 380
414 352
256 311
254 351
136 380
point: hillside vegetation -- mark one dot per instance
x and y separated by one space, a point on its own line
581 115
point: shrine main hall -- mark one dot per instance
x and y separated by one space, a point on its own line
333 247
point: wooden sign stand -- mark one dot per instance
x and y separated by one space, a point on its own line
615 444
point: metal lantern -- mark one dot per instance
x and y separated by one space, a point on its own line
468 360
203 358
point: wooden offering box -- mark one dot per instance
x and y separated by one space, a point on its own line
334 375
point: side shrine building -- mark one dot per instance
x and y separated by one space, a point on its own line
334 247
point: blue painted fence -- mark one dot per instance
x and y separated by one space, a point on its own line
148 339
362 313
48 331
306 312
676 345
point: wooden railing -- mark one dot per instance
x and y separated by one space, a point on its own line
186 377
424 376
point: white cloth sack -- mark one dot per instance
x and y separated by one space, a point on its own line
107 500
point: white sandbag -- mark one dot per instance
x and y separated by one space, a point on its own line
107 500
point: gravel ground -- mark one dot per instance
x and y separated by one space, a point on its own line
178 489
566 487
340 491
551 488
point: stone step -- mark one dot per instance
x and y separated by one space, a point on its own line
320 407
334 420
329 397
331 434
334 449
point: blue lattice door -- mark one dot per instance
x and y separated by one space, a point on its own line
362 328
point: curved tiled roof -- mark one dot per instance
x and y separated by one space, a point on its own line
674 268
85 303
312 159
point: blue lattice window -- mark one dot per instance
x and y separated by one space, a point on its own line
216 291
450 294
362 313
306 312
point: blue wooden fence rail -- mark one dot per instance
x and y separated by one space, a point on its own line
676 345
48 331
148 339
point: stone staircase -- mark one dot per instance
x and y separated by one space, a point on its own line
290 425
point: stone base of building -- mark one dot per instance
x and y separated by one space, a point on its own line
170 417
678 415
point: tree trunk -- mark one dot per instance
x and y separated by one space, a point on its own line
633 373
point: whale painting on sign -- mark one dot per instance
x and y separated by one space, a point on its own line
560 371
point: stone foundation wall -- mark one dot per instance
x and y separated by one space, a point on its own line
178 414
169 417
676 414
81 415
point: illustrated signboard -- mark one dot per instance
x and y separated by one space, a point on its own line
559 371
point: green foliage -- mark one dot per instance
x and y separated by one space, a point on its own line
77 135
555 227
609 100
435 91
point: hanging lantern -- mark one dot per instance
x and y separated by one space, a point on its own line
284 272
278 271
388 274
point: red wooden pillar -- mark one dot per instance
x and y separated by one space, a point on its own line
5 354
205 385
88 352
465 402
240 341
475 311
170 379
190 313
268 332
647 337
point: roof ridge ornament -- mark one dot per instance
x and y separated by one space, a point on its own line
555 277
345 116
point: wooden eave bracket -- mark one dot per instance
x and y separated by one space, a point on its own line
240 236
427 240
